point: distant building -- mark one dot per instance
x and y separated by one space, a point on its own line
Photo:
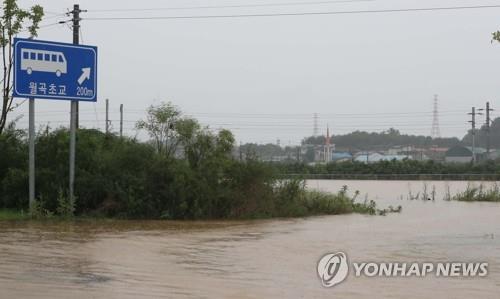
436 153
409 151
341 157
420 154
463 154
377 157
400 150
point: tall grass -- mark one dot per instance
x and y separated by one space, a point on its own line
302 202
13 215
479 193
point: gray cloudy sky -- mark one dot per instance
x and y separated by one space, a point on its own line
264 77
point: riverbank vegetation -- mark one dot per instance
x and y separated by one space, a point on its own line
477 193
405 169
185 172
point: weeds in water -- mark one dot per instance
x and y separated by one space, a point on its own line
390 209
471 193
318 202
295 200
424 195
480 193
433 193
447 194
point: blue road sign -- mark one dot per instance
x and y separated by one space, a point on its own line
51 70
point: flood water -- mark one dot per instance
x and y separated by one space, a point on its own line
256 259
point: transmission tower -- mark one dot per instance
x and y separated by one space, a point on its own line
435 133
315 128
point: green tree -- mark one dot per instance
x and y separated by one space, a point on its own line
166 127
12 22
496 36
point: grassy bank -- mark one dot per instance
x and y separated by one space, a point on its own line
291 199
394 170
399 177
13 215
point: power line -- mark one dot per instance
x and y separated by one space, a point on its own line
295 117
423 9
55 16
228 6
308 115
42 26
280 125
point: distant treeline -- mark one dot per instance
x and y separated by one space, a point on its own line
359 140
352 142
373 141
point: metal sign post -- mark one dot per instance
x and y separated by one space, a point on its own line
72 150
32 154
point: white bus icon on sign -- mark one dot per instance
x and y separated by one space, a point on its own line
43 61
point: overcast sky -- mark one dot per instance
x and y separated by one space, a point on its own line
265 77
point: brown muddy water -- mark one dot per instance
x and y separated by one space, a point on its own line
256 259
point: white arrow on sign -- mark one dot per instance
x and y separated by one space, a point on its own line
84 76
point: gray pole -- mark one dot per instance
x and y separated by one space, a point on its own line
473 132
32 154
72 150
488 123
107 116
121 120
74 114
473 121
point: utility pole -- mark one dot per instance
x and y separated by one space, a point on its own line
74 112
76 40
487 127
121 120
107 116
473 132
